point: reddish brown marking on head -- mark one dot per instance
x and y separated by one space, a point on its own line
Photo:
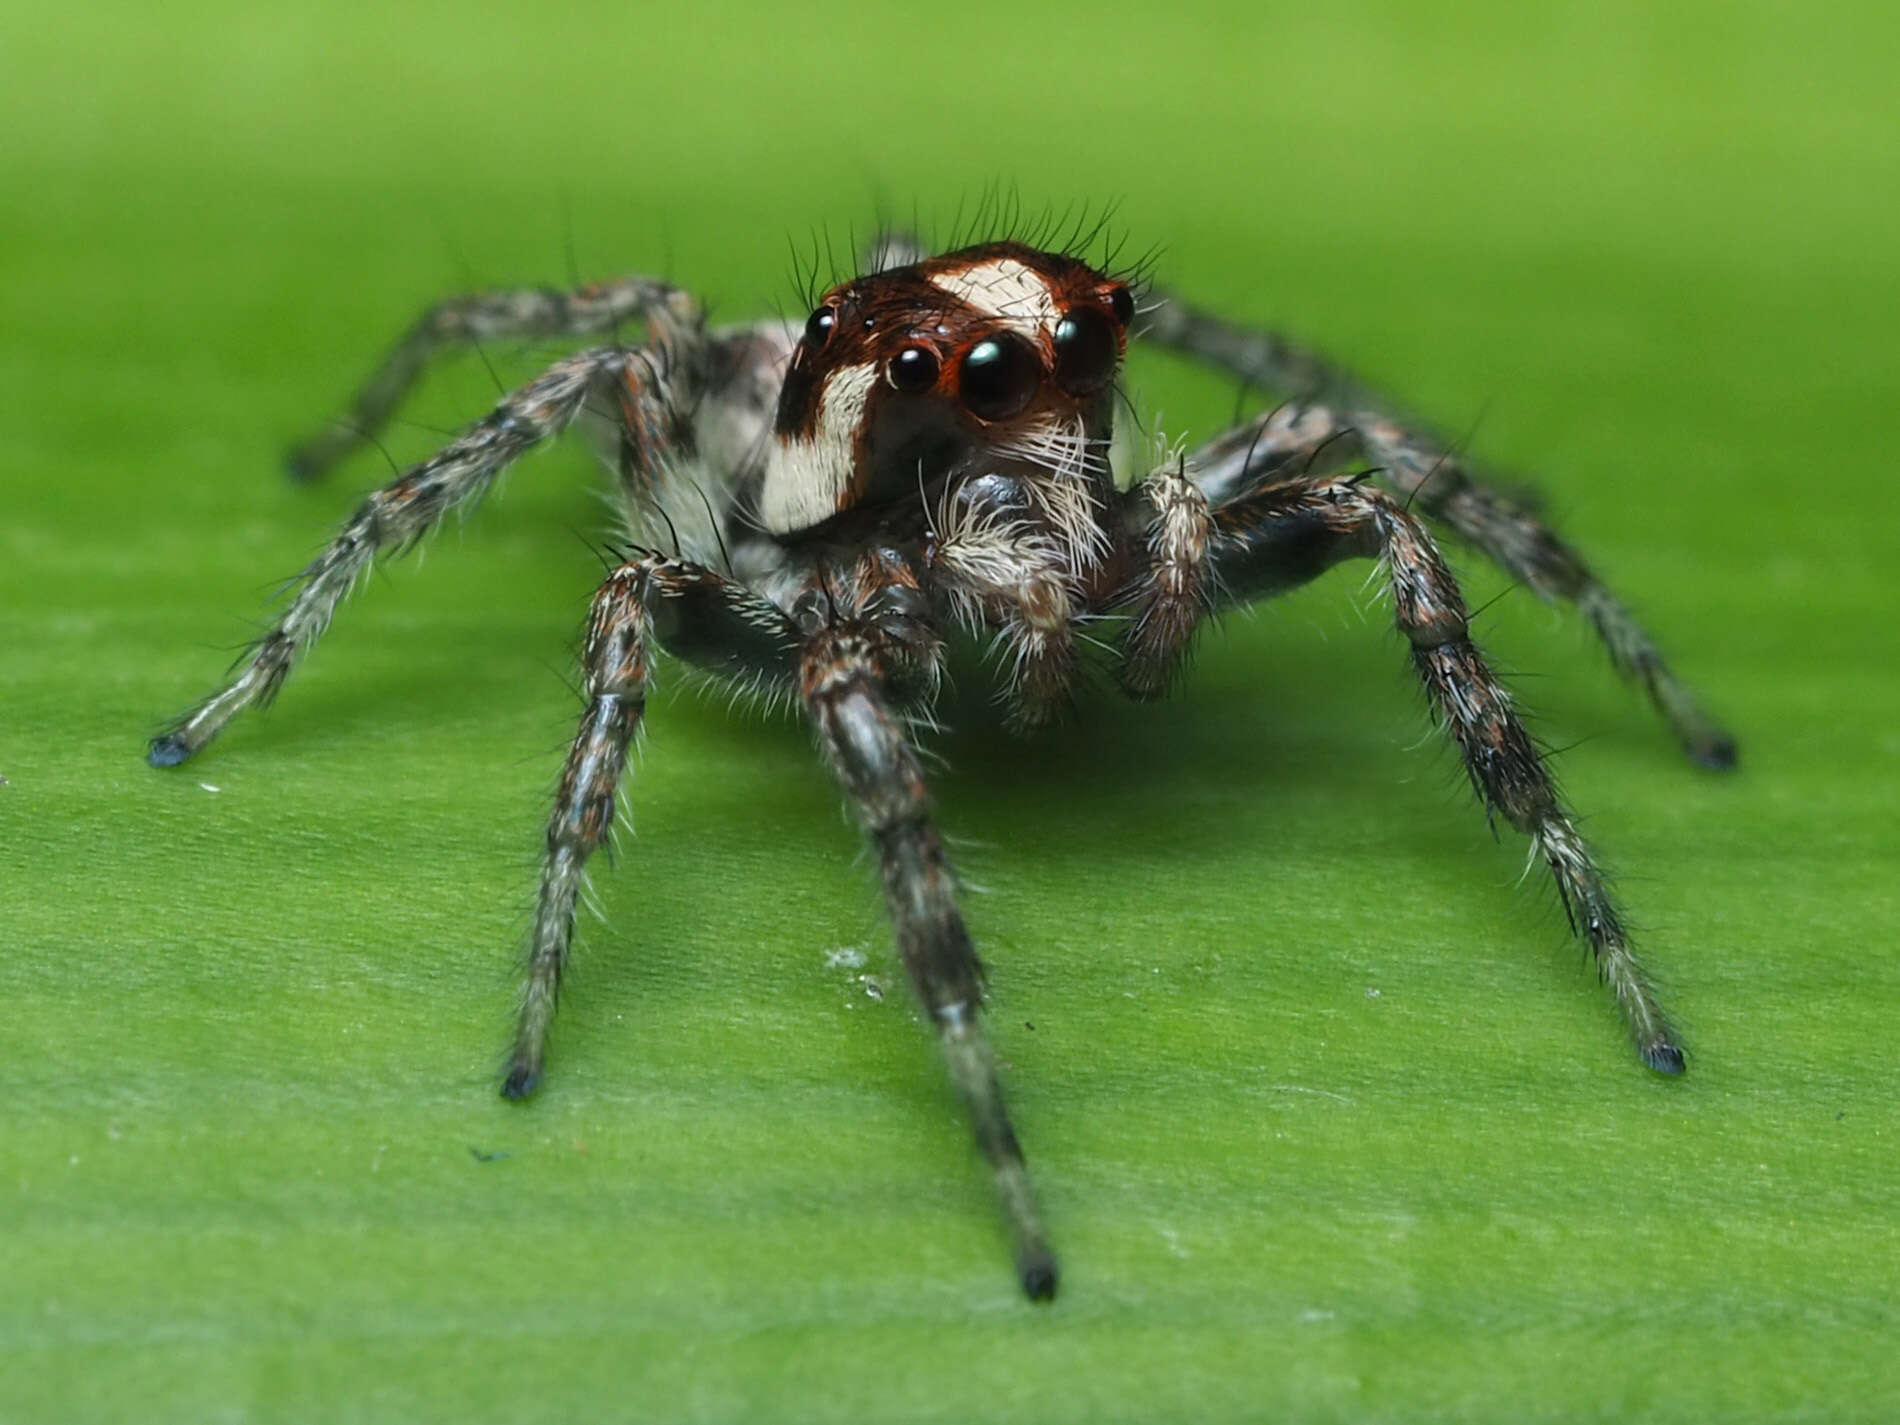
958 350
918 326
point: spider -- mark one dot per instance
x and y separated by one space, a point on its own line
930 452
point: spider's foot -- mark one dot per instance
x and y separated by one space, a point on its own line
302 465
522 1080
168 750
1037 1269
311 459
1714 750
1664 1056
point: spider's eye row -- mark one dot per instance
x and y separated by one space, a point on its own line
913 369
999 377
1122 303
818 327
1087 349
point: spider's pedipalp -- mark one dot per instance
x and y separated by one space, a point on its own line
1175 590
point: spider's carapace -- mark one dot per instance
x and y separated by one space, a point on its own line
979 362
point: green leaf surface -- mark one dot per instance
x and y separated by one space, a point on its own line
1328 1117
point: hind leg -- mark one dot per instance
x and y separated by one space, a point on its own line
528 314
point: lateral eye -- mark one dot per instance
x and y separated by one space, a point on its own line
818 327
999 377
1087 349
1122 303
913 369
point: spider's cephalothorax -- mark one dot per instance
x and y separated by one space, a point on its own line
929 450
994 361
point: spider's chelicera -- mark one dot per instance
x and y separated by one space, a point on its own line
929 451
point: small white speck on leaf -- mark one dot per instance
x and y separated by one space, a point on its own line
873 986
209 788
844 957
1372 991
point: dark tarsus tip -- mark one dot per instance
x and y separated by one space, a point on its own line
1717 753
1039 1278
302 464
522 1080
1664 1058
167 751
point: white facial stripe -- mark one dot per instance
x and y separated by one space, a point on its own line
805 479
1002 288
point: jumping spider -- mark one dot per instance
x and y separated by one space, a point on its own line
931 451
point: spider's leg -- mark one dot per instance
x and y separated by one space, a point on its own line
698 615
402 512
842 677
1530 551
1424 471
1286 535
527 314
1265 360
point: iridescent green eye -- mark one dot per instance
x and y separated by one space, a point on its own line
999 377
914 369
1087 349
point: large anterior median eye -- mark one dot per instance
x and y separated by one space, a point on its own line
913 369
1086 351
999 377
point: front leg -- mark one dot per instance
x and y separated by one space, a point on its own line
700 616
402 513
1290 533
842 680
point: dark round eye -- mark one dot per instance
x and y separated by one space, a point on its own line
999 377
818 326
1086 351
1122 303
913 369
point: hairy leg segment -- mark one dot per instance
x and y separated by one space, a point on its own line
1531 552
524 315
392 518
1287 534
842 684
699 616
1430 479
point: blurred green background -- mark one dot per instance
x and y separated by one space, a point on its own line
1329 1120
